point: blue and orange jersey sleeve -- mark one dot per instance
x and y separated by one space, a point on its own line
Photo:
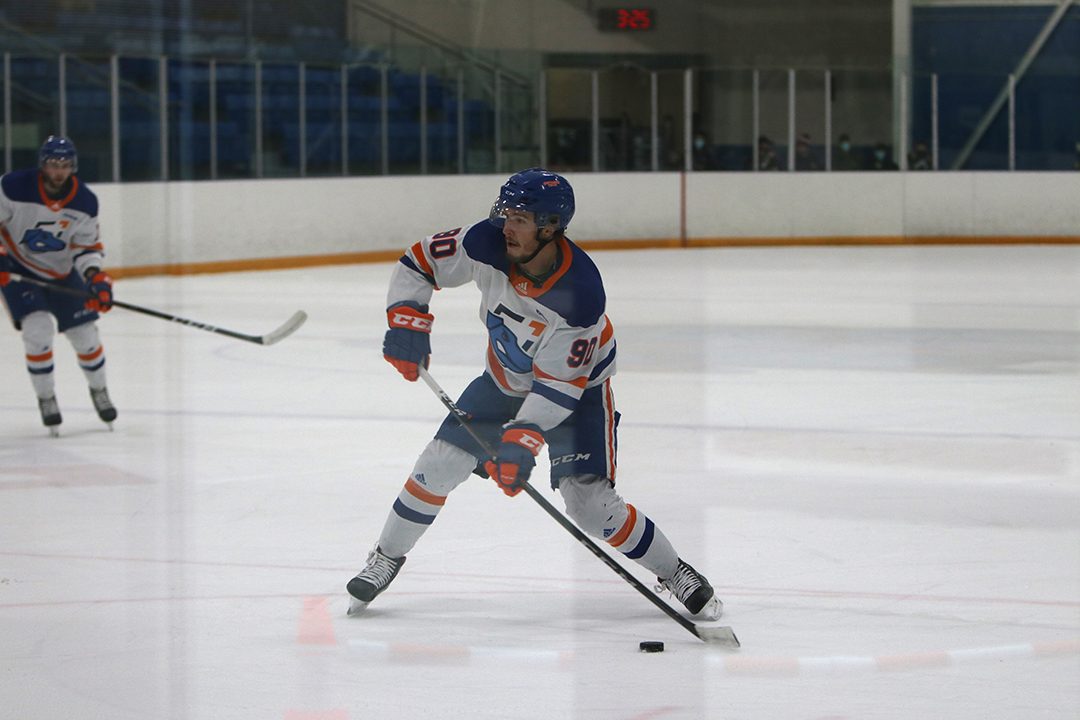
430 264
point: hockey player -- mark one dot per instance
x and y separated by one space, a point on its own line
550 359
49 231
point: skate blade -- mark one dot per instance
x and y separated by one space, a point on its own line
356 606
54 431
712 610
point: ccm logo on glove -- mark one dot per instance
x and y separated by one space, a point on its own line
410 319
513 464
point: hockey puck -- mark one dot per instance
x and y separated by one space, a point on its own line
651 646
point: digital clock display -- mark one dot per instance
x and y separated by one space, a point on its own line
623 19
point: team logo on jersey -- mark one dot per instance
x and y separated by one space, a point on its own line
504 343
39 240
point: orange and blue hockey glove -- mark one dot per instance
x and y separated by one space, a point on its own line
100 285
513 464
408 343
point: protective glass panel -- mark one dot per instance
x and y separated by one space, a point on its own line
235 120
322 92
140 119
34 107
280 120
442 123
517 124
862 120
625 119
569 121
671 135
364 123
479 114
88 121
724 120
189 120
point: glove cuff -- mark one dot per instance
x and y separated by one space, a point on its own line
527 436
408 316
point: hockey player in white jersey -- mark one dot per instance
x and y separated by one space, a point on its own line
550 360
49 231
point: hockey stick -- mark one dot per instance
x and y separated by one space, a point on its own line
286 329
718 635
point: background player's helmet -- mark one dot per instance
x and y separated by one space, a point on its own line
58 146
545 194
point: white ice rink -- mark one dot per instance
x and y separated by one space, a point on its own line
874 453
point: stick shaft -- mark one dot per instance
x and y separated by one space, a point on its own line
556 514
75 292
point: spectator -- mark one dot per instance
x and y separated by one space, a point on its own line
804 156
767 159
704 153
919 158
881 160
846 158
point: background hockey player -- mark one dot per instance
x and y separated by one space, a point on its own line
49 231
550 359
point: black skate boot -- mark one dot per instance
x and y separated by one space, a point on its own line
693 591
50 414
103 405
372 580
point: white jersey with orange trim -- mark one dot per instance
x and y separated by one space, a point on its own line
49 236
547 342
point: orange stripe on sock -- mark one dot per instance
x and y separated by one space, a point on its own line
420 493
94 354
624 532
40 358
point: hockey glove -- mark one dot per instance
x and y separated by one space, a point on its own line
516 458
408 343
100 285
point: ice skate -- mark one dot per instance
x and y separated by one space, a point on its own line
694 591
50 415
105 409
372 580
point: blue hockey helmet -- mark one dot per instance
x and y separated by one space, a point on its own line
545 194
58 147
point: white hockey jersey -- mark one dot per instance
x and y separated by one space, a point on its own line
546 343
49 237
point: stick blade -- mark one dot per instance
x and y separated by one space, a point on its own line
287 328
719 635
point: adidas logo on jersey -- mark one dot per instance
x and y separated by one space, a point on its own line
419 477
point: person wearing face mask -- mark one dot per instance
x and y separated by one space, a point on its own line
881 159
703 153
846 159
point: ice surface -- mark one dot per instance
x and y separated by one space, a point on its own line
873 453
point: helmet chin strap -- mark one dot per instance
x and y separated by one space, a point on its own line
540 245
